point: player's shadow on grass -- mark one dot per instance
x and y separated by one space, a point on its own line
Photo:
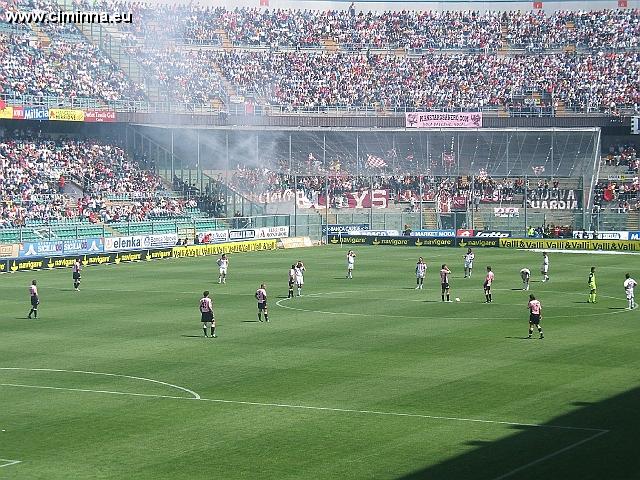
249 321
518 338
281 296
617 308
193 336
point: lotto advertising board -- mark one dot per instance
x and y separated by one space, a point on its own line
576 244
470 233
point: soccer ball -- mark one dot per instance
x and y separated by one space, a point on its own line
457 299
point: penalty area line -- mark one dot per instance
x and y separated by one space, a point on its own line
8 463
313 408
553 454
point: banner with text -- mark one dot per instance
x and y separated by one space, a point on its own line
544 244
433 233
100 116
138 242
342 229
443 119
365 199
506 212
592 235
554 199
65 114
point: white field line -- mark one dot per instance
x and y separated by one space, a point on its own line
551 455
301 407
196 397
178 387
279 303
8 463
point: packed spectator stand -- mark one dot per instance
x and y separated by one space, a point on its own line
36 172
449 60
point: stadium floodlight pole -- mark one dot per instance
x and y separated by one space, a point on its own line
420 190
526 191
198 171
371 203
326 206
172 166
295 199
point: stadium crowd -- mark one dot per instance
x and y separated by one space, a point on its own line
36 171
429 29
65 69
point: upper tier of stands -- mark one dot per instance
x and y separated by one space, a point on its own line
421 30
590 63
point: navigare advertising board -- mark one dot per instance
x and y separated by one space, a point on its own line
338 229
395 241
138 242
433 233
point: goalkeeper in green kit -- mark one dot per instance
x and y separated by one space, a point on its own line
592 285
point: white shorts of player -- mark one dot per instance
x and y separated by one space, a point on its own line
349 266
468 264
300 280
223 271
545 269
630 295
419 275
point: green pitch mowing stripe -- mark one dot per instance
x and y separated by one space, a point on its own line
357 379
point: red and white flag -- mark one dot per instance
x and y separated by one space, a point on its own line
375 162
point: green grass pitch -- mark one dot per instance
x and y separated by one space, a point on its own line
357 379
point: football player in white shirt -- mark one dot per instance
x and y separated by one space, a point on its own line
629 285
468 263
421 270
351 260
525 274
299 270
544 270
223 264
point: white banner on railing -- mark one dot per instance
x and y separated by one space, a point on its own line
506 212
605 235
213 236
219 236
140 242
